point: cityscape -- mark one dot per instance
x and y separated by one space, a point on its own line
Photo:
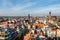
30 28
29 19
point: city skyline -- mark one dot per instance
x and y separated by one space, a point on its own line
32 7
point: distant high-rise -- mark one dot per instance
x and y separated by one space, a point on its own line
29 16
50 13
49 16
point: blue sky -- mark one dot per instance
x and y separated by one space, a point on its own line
25 7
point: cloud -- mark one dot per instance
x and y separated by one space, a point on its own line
55 9
34 7
20 7
20 10
15 10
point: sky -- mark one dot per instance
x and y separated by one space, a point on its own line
32 7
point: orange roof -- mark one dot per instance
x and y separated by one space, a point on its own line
40 25
3 23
